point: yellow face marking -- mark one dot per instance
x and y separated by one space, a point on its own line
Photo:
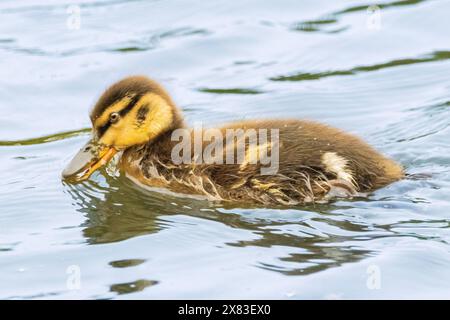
160 116
135 128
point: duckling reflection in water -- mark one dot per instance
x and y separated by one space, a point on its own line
315 162
117 209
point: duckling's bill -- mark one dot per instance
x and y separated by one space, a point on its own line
91 157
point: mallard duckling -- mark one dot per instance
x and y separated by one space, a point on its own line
314 162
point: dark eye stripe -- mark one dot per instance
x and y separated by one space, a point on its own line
101 130
130 105
142 113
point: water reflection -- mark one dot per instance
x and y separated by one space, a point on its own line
126 263
320 25
114 213
130 287
306 76
117 210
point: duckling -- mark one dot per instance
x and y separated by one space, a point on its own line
314 162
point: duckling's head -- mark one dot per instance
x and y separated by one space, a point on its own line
133 111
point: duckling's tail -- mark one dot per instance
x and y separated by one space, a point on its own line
392 172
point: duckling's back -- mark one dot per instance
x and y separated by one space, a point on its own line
328 151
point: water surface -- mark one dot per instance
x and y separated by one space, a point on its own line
386 80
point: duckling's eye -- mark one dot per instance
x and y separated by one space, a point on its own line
114 117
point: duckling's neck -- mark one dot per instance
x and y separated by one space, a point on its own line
163 142
160 145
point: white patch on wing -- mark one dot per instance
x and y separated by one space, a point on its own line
338 165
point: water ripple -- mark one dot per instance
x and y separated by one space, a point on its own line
305 76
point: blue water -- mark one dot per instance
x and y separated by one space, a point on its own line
381 73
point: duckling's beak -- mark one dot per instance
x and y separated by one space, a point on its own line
90 157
